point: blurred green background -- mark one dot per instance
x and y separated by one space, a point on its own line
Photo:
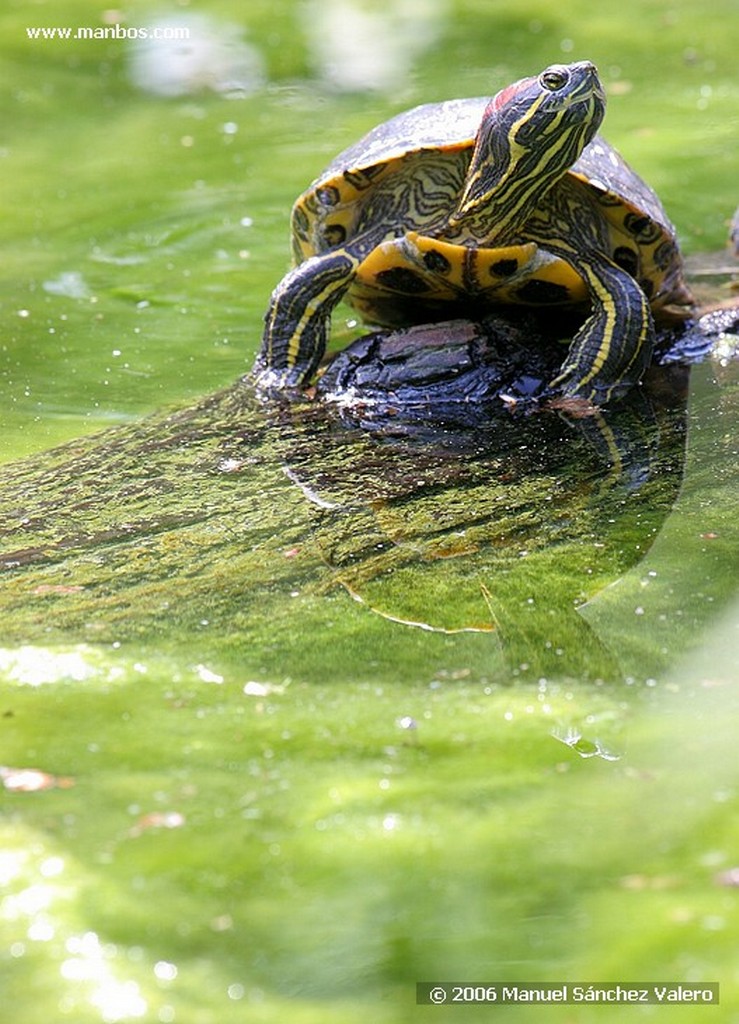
208 847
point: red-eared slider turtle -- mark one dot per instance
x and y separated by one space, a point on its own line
459 207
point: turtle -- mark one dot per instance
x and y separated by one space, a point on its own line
464 206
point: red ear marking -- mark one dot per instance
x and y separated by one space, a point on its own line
510 91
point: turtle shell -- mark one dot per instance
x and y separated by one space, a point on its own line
407 173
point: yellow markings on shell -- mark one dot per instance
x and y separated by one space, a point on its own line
418 246
470 271
467 262
387 254
535 264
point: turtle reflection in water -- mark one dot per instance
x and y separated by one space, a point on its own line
448 515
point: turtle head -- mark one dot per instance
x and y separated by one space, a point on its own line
531 133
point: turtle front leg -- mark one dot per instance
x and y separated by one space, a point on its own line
297 321
613 348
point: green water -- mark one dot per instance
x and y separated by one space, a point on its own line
314 717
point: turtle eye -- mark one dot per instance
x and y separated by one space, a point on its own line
554 78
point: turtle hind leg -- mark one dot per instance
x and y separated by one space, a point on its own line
297 320
614 346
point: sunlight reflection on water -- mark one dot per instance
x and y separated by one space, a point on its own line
38 910
37 666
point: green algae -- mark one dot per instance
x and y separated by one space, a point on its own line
236 523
